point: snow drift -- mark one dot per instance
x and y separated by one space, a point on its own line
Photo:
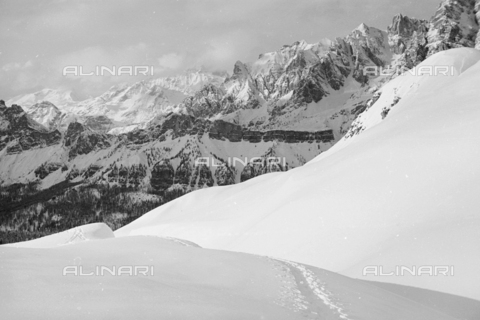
188 282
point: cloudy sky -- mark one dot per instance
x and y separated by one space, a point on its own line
38 38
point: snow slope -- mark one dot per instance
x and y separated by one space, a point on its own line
403 192
188 282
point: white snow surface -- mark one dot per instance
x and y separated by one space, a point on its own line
188 282
404 192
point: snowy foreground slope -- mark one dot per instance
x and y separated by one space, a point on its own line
188 282
403 192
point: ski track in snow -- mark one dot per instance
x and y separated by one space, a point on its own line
302 301
290 295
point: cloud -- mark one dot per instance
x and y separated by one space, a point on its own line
15 66
23 77
91 57
221 52
172 61
48 72
11 66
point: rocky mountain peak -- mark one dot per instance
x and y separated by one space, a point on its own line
45 105
20 132
74 128
363 28
15 110
454 25
47 114
82 140
302 44
240 71
404 26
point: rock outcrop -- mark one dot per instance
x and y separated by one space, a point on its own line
454 25
83 141
19 132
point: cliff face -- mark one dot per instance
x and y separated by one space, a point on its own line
454 25
158 157
408 38
266 93
179 125
19 132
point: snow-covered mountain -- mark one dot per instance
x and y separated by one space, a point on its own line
48 115
402 192
124 105
143 101
299 87
288 105
62 98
